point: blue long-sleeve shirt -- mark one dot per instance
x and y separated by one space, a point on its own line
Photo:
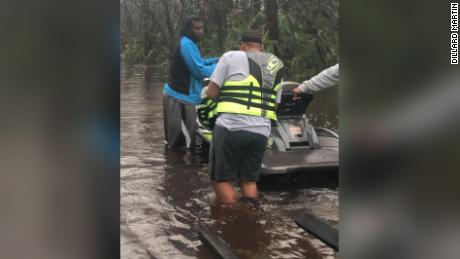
199 67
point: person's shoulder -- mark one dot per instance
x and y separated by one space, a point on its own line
233 54
272 56
185 39
269 54
186 42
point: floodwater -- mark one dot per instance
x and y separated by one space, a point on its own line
166 195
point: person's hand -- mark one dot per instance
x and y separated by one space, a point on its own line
296 91
204 92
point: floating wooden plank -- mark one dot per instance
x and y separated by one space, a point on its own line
216 244
320 229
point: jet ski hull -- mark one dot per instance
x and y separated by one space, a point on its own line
294 144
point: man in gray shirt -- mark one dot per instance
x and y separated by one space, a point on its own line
247 86
325 79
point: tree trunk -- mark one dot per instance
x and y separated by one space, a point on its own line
219 11
147 17
256 8
169 26
271 14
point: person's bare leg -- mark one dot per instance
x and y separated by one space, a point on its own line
225 192
249 189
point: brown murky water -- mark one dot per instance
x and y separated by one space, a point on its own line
166 195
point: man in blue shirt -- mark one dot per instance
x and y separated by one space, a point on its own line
182 92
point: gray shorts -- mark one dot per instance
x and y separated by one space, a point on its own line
174 113
236 154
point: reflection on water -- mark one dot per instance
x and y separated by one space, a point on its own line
166 195
323 111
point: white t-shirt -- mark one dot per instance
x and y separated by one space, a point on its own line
327 78
234 65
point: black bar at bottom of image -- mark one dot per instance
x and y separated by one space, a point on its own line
320 229
216 244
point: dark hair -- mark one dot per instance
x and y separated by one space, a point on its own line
186 27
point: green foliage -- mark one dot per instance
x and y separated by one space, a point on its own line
309 38
308 31
158 55
133 51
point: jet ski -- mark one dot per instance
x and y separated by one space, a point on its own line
294 144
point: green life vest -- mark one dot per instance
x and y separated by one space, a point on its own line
206 112
255 95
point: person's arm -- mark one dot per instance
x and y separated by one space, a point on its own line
195 63
210 61
217 79
213 91
325 79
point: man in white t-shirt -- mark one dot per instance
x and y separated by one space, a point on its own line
325 79
246 85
